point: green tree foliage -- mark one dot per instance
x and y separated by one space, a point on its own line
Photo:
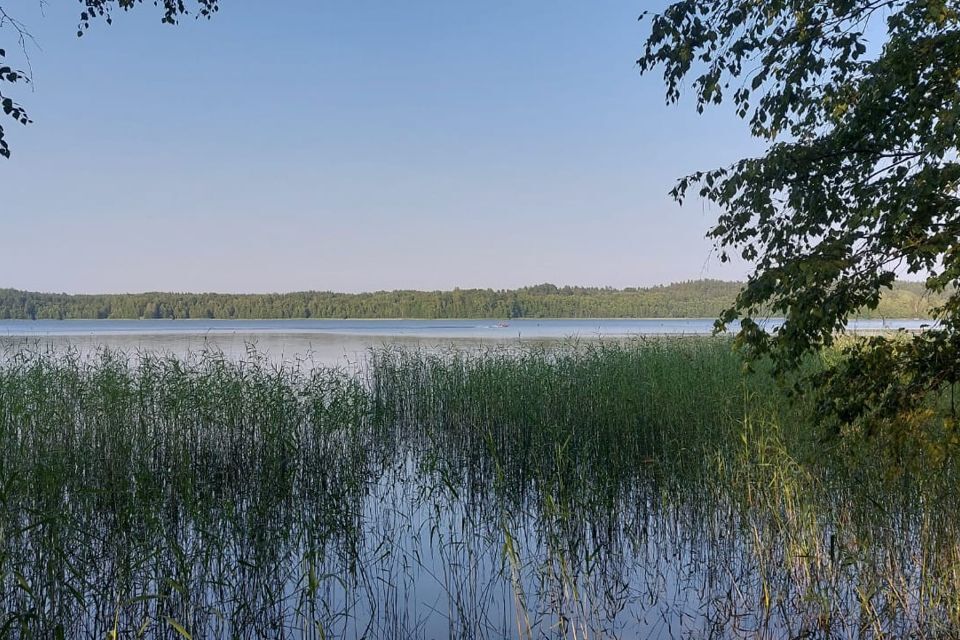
859 102
11 76
171 11
696 299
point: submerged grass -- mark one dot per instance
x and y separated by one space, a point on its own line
596 489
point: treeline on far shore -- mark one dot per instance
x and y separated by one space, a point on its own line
692 299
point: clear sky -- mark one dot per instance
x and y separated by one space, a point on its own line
352 146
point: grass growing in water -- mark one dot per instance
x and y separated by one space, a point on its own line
591 490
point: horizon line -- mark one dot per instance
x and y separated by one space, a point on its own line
380 291
375 291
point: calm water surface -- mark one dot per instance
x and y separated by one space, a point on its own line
345 341
241 502
494 329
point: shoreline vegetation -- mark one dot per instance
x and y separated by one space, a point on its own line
608 490
681 300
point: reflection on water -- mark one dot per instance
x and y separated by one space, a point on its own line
515 496
523 328
343 342
314 349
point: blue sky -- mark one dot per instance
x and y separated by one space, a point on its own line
353 146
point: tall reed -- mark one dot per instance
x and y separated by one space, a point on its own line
593 489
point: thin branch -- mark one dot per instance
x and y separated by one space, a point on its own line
23 37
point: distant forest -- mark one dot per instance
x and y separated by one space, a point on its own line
694 299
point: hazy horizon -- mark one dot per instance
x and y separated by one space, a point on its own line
355 292
371 291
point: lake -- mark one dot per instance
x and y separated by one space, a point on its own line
348 341
550 489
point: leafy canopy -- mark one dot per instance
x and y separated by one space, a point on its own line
171 10
859 102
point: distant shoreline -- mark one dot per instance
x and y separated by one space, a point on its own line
696 299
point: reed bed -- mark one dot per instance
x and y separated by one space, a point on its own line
585 490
